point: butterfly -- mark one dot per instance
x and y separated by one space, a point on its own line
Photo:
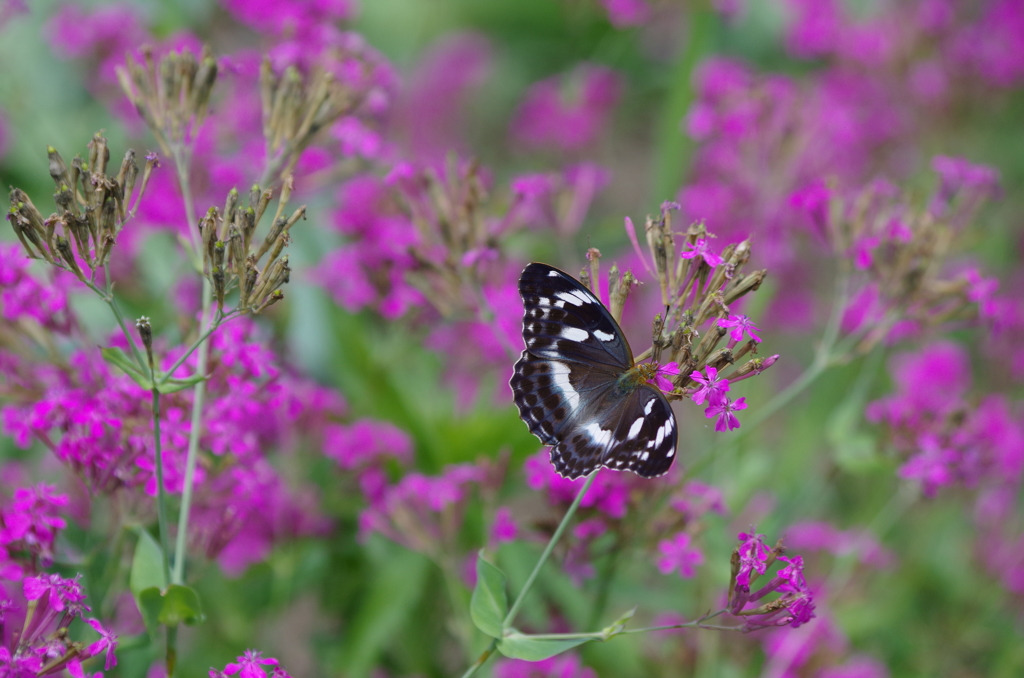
577 387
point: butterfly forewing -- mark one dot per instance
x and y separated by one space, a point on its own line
567 387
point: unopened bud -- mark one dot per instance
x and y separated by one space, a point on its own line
275 297
64 250
618 301
146 335
58 168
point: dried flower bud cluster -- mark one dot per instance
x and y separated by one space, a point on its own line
902 250
453 239
92 207
697 287
171 94
232 253
297 106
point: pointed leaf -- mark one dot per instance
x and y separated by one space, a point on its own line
150 602
175 385
147 565
119 359
489 604
181 606
519 646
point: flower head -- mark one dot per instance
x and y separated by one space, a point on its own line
699 249
712 388
661 377
678 554
724 409
739 325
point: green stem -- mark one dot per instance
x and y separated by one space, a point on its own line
482 659
463 625
108 298
181 161
824 357
510 617
696 623
172 650
218 321
161 492
486 654
199 396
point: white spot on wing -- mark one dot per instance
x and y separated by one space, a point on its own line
645 457
660 437
649 406
604 336
560 379
552 274
634 430
572 297
582 296
574 334
598 436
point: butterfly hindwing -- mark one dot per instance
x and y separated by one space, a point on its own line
567 383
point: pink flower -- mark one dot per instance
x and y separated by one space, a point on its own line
107 643
661 379
696 499
753 557
366 442
724 411
547 117
739 325
712 389
504 528
250 665
625 13
678 554
699 249
295 17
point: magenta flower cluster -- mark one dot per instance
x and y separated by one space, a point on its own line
34 621
947 439
795 604
251 664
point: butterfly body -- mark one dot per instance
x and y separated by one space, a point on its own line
577 387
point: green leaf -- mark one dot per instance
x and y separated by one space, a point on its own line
147 565
489 604
181 606
520 646
120 360
855 450
175 385
150 604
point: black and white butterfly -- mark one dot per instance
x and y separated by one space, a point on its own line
577 387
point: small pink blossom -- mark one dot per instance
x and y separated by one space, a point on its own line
700 249
739 325
724 411
107 643
504 528
661 377
712 388
677 554
250 665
